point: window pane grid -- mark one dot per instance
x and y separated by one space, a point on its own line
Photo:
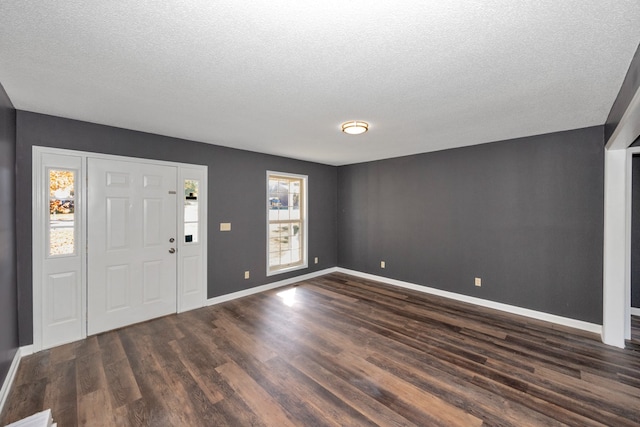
285 246
286 221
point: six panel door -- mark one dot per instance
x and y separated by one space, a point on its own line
131 243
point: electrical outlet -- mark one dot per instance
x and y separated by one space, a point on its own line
315 260
246 274
478 282
382 264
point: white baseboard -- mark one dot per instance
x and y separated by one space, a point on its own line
565 321
11 375
26 350
573 323
268 286
635 311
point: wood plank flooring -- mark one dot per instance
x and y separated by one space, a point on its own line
635 330
334 351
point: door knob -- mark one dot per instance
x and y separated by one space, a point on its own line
171 240
172 251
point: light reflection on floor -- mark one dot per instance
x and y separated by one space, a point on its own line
288 297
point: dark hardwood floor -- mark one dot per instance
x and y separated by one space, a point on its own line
635 330
335 351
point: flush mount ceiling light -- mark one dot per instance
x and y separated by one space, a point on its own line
355 127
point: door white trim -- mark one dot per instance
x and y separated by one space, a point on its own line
614 260
616 284
629 218
38 238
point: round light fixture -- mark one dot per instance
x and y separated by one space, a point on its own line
355 127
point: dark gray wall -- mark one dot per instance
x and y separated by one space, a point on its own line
630 85
236 194
635 232
8 298
524 215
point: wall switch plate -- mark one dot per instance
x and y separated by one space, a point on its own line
478 281
225 226
382 264
246 274
315 260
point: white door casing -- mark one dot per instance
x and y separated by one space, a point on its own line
132 219
60 287
616 311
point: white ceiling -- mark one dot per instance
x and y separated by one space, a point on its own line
280 76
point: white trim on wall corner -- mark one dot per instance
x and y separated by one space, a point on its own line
11 375
635 311
573 323
8 381
269 286
26 350
616 250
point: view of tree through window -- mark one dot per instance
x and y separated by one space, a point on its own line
285 210
61 212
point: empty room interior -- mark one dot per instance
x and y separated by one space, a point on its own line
320 213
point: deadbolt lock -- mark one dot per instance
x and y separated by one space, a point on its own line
171 240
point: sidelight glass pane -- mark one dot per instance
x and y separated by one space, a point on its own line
191 232
62 230
191 187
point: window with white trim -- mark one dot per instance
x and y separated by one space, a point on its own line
286 222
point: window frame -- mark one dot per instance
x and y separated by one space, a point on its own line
304 223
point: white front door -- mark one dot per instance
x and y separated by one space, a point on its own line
130 243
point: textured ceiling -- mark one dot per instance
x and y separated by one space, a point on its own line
280 76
